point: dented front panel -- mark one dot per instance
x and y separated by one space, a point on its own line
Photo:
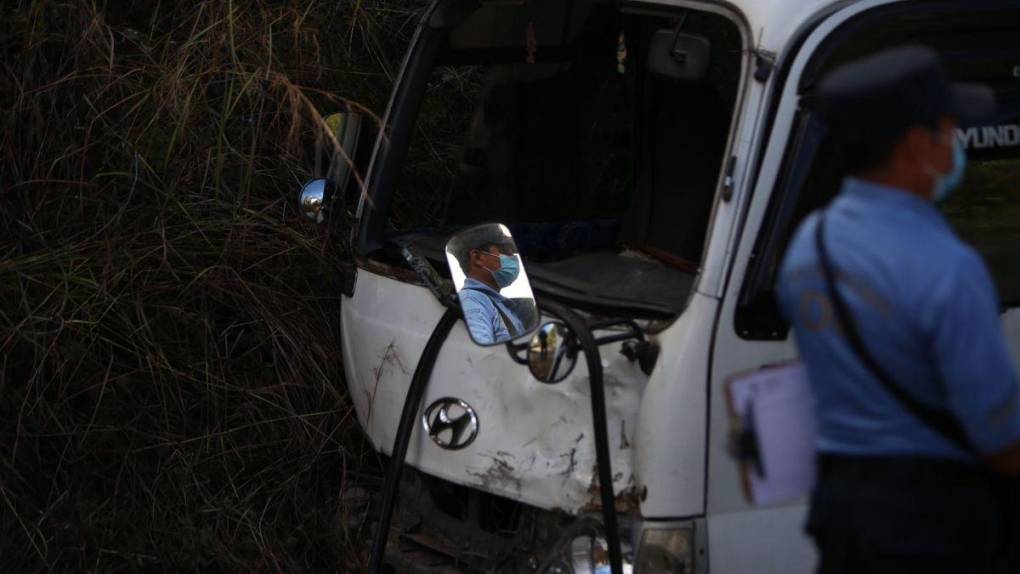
534 441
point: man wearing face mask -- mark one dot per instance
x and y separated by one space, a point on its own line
490 265
897 322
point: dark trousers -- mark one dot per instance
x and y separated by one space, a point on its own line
902 515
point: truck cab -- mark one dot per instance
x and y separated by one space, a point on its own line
651 159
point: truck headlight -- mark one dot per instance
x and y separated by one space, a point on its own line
590 555
666 551
583 550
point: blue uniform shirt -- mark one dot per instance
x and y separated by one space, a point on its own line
478 301
925 307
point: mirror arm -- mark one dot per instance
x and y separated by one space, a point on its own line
617 338
515 349
586 341
408 417
635 331
429 276
679 30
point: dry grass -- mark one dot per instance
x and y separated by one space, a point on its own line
171 392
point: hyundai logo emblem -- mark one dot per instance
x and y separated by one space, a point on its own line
451 423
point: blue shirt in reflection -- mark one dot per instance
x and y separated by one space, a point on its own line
925 307
479 302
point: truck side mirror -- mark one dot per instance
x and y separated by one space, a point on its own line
314 198
340 150
552 353
492 285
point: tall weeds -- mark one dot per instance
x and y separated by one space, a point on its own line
171 392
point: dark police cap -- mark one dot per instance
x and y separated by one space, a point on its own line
482 236
880 96
479 237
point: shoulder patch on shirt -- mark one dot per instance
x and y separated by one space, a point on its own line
814 310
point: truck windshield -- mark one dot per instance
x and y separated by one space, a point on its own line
550 117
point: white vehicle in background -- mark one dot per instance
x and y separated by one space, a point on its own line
651 159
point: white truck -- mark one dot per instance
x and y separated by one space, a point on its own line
651 159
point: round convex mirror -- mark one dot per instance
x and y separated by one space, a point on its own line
313 199
552 353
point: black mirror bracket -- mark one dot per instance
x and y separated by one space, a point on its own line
429 276
408 416
644 352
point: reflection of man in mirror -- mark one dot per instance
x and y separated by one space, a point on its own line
490 263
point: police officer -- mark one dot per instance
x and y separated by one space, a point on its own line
898 324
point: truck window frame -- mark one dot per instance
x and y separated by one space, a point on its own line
373 249
395 135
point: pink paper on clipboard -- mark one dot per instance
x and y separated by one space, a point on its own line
777 404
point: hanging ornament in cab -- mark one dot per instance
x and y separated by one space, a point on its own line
531 41
621 53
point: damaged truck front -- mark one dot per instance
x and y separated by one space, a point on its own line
647 158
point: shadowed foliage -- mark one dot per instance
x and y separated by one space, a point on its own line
171 388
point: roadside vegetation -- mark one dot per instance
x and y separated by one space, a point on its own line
171 391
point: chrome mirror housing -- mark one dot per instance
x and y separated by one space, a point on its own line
313 197
552 353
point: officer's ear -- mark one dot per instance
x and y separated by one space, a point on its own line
478 258
916 145
927 147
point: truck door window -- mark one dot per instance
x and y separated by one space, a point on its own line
978 45
424 183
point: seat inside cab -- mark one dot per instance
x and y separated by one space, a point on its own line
597 135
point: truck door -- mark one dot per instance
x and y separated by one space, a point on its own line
799 172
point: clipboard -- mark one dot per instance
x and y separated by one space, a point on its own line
773 432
